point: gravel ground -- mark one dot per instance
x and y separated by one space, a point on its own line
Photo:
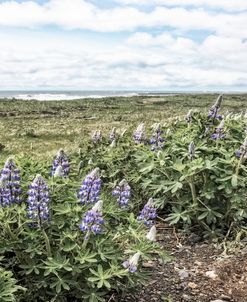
199 272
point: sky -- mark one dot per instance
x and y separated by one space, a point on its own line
163 45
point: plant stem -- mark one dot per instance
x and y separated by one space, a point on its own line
239 163
85 241
47 243
193 191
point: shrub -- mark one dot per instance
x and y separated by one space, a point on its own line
63 249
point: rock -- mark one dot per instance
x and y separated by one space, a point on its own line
217 301
186 297
192 285
211 274
183 274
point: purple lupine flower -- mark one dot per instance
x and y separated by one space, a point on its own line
156 140
113 135
219 132
139 134
191 151
148 213
60 167
10 189
96 136
93 221
38 201
90 188
213 111
188 116
243 150
132 263
122 192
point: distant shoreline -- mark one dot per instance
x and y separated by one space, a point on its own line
77 95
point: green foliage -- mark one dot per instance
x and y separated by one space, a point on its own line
55 262
9 290
208 192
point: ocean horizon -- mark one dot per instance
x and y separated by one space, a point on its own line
49 95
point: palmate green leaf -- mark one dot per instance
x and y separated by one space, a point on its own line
179 166
86 256
148 168
234 180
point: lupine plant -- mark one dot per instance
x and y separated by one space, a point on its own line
60 167
90 189
38 201
148 213
113 135
79 252
214 110
219 131
96 136
10 190
122 192
139 134
156 140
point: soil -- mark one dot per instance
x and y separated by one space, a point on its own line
200 271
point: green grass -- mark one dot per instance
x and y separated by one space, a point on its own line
39 128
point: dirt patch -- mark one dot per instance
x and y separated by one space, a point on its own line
198 273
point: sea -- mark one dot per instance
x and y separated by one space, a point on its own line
73 95
59 95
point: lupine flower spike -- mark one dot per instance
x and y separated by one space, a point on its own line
113 135
122 192
139 134
132 264
148 213
96 137
219 132
38 201
60 167
157 141
93 221
188 116
10 189
151 235
90 189
191 151
213 111
243 150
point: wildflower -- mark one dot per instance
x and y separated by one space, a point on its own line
38 200
90 189
139 134
151 235
157 141
93 220
10 189
96 137
60 167
148 213
113 144
219 132
113 135
191 153
213 111
132 263
243 150
122 192
188 116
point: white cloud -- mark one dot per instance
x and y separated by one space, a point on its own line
230 5
80 14
33 57
144 61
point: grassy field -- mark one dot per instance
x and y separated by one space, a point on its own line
40 128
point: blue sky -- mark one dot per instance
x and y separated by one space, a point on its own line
124 44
